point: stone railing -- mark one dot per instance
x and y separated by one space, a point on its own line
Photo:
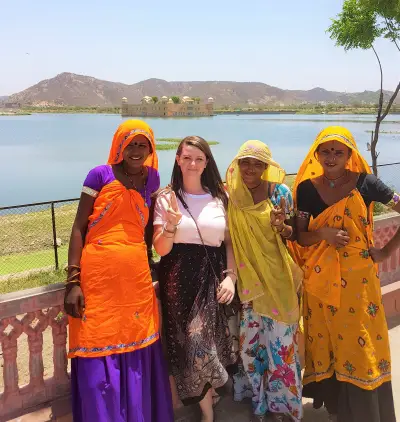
36 311
32 312
385 228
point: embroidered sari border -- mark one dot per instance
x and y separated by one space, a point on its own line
359 382
114 347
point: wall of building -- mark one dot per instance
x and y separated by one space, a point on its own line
167 109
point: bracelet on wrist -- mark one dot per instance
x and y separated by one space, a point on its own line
230 271
73 279
165 232
175 225
165 229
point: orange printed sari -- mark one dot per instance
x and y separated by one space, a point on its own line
344 321
121 313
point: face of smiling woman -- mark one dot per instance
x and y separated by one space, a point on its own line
251 171
136 153
333 157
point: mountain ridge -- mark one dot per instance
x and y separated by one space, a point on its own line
70 89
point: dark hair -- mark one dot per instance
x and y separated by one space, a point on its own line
210 179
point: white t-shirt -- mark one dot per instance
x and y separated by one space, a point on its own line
209 213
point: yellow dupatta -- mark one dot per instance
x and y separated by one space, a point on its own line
265 267
321 262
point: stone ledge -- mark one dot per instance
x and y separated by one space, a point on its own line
391 299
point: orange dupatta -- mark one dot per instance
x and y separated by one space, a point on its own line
121 312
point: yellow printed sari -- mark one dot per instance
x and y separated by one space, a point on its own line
344 321
267 274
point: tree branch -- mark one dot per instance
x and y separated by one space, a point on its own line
390 26
390 103
397 45
380 106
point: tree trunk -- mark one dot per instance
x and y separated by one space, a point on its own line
375 134
374 141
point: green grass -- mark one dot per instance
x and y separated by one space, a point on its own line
26 242
172 143
43 278
30 232
335 120
289 181
386 132
16 263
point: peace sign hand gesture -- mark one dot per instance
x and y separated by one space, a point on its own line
174 216
278 215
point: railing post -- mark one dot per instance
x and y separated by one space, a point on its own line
53 220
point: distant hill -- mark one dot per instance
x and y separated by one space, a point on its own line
3 98
69 89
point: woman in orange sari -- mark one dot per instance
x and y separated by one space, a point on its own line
118 370
348 365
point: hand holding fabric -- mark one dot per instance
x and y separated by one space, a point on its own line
335 237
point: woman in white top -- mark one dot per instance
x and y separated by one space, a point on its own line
197 275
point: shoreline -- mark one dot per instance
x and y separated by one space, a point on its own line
216 113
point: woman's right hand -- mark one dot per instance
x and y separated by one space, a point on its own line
74 302
336 237
174 216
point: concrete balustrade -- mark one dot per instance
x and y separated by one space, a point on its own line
32 311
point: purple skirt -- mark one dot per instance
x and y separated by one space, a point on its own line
127 387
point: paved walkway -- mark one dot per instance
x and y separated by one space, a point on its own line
230 411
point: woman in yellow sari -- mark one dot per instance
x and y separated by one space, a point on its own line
260 220
346 335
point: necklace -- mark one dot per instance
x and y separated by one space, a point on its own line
332 183
129 176
255 187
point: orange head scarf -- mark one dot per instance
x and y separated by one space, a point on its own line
311 168
123 136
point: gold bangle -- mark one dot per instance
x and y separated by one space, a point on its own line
68 267
72 280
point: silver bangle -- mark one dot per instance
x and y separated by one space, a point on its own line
230 271
166 230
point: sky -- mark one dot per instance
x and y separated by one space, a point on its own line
281 43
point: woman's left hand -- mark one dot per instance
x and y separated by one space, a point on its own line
378 255
226 291
278 215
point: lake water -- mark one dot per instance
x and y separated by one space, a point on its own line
47 156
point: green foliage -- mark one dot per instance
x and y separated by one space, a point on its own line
172 143
175 99
70 109
355 27
361 22
155 100
389 9
31 280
